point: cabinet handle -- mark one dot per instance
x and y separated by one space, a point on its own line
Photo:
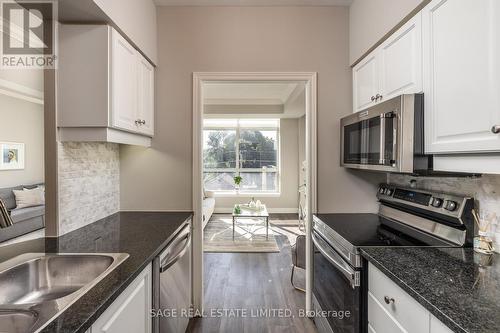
140 122
389 300
378 96
495 129
373 98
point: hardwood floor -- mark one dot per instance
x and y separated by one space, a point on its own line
252 282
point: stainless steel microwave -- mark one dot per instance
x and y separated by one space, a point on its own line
387 137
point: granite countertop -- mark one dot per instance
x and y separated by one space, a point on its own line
140 234
458 286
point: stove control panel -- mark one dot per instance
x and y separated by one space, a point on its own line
441 203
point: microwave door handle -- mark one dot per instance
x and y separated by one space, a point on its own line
336 260
382 139
364 141
395 137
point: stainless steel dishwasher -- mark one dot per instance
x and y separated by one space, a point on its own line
172 283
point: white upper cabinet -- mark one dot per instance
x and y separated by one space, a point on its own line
365 82
400 59
461 61
392 69
105 87
146 103
124 83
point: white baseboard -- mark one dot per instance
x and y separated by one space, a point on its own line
156 210
229 210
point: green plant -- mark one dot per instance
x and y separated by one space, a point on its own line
238 180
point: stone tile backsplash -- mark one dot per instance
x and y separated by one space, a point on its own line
485 190
89 183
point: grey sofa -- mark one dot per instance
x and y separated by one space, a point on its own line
24 220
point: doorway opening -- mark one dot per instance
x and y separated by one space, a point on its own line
254 181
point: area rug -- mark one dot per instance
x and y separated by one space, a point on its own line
250 235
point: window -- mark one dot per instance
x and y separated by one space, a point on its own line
245 147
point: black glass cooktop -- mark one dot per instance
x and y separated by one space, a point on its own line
363 230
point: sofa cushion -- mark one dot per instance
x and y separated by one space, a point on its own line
21 214
208 209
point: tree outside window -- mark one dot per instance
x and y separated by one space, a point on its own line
246 148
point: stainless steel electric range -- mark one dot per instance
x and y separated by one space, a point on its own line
406 217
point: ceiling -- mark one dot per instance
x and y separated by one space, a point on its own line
253 2
248 93
253 99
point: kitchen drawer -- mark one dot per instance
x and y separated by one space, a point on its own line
404 309
379 318
438 327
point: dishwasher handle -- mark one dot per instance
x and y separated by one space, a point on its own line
172 259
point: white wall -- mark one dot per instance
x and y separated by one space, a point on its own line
22 121
302 158
137 19
29 78
289 156
209 39
370 20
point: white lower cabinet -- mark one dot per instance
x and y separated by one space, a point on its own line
130 312
392 310
438 327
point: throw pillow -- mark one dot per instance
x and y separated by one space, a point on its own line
29 198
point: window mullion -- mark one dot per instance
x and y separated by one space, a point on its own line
237 142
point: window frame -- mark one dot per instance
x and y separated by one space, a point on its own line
238 169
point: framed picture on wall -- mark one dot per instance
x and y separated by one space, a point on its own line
11 156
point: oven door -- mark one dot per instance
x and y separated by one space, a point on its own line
369 140
336 289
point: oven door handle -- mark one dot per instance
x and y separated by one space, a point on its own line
335 259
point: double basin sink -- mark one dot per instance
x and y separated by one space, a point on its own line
37 287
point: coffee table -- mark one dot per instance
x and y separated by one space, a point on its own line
246 213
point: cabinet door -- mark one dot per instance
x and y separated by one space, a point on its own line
365 82
438 327
123 83
461 62
400 58
379 320
145 110
405 311
130 312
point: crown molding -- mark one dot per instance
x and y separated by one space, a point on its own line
267 3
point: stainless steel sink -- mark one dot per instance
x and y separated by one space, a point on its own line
37 287
17 320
